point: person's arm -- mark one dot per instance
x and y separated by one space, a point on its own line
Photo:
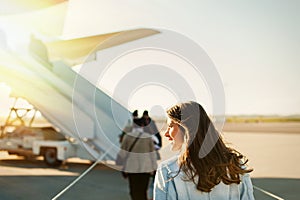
156 132
152 154
157 135
246 188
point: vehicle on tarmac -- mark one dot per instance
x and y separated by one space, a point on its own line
20 136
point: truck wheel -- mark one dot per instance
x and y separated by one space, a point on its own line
50 157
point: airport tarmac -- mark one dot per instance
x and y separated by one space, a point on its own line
274 158
22 179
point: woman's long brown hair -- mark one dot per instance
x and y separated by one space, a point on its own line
219 163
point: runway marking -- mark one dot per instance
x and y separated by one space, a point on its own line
268 193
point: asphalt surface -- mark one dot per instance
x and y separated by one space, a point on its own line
32 179
22 179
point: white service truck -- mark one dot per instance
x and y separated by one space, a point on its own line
19 136
42 141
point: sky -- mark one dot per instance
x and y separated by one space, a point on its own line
254 45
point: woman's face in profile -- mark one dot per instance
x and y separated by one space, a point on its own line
175 135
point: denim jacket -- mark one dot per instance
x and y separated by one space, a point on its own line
166 187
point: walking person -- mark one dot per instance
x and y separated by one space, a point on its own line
150 127
205 168
141 160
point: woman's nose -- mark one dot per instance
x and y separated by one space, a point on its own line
167 133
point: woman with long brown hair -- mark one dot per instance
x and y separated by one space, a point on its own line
206 168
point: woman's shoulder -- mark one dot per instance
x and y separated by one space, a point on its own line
169 165
171 161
